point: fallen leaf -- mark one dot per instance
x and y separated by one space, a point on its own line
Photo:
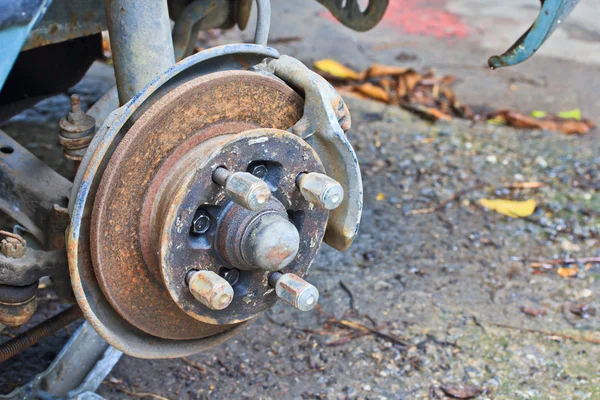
520 120
430 113
539 114
568 272
379 70
534 312
461 390
511 208
572 114
372 91
336 69
524 185
380 197
582 310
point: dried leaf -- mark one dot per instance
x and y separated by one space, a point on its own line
372 91
568 126
427 112
336 69
511 208
380 197
461 390
568 272
379 70
411 78
524 185
534 312
582 310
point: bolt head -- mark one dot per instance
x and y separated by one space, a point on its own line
296 291
201 222
260 171
13 247
210 289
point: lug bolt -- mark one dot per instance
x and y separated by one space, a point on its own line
320 189
12 246
231 275
260 171
243 188
201 222
295 290
210 289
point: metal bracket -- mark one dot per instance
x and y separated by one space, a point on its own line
351 16
76 372
552 14
325 119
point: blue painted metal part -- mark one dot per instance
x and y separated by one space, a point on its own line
17 21
552 14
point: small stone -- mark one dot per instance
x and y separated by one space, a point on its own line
492 159
541 162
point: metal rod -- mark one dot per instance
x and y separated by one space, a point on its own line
47 328
141 42
263 22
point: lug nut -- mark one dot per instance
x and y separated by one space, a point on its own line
243 188
210 289
295 290
201 222
320 189
13 245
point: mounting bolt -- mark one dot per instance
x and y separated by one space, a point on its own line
295 290
210 289
201 222
13 245
243 188
260 171
320 189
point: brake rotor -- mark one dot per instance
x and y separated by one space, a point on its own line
160 174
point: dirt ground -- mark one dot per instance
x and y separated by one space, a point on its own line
421 300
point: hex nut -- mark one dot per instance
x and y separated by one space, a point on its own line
210 289
320 189
295 290
13 246
244 188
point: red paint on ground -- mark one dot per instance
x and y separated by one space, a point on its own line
422 17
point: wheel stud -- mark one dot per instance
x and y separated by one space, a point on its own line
201 222
243 188
210 289
318 188
295 290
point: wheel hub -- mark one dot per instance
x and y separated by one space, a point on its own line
144 231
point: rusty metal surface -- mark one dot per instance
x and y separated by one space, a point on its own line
17 304
32 266
179 253
185 22
67 19
349 13
127 279
325 119
29 189
141 43
98 311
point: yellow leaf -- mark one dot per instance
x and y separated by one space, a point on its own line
572 114
380 197
511 208
499 120
336 69
568 272
539 114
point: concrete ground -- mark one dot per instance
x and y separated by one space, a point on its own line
443 292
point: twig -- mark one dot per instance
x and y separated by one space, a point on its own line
141 394
281 324
193 364
561 335
444 203
360 327
584 260
349 292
